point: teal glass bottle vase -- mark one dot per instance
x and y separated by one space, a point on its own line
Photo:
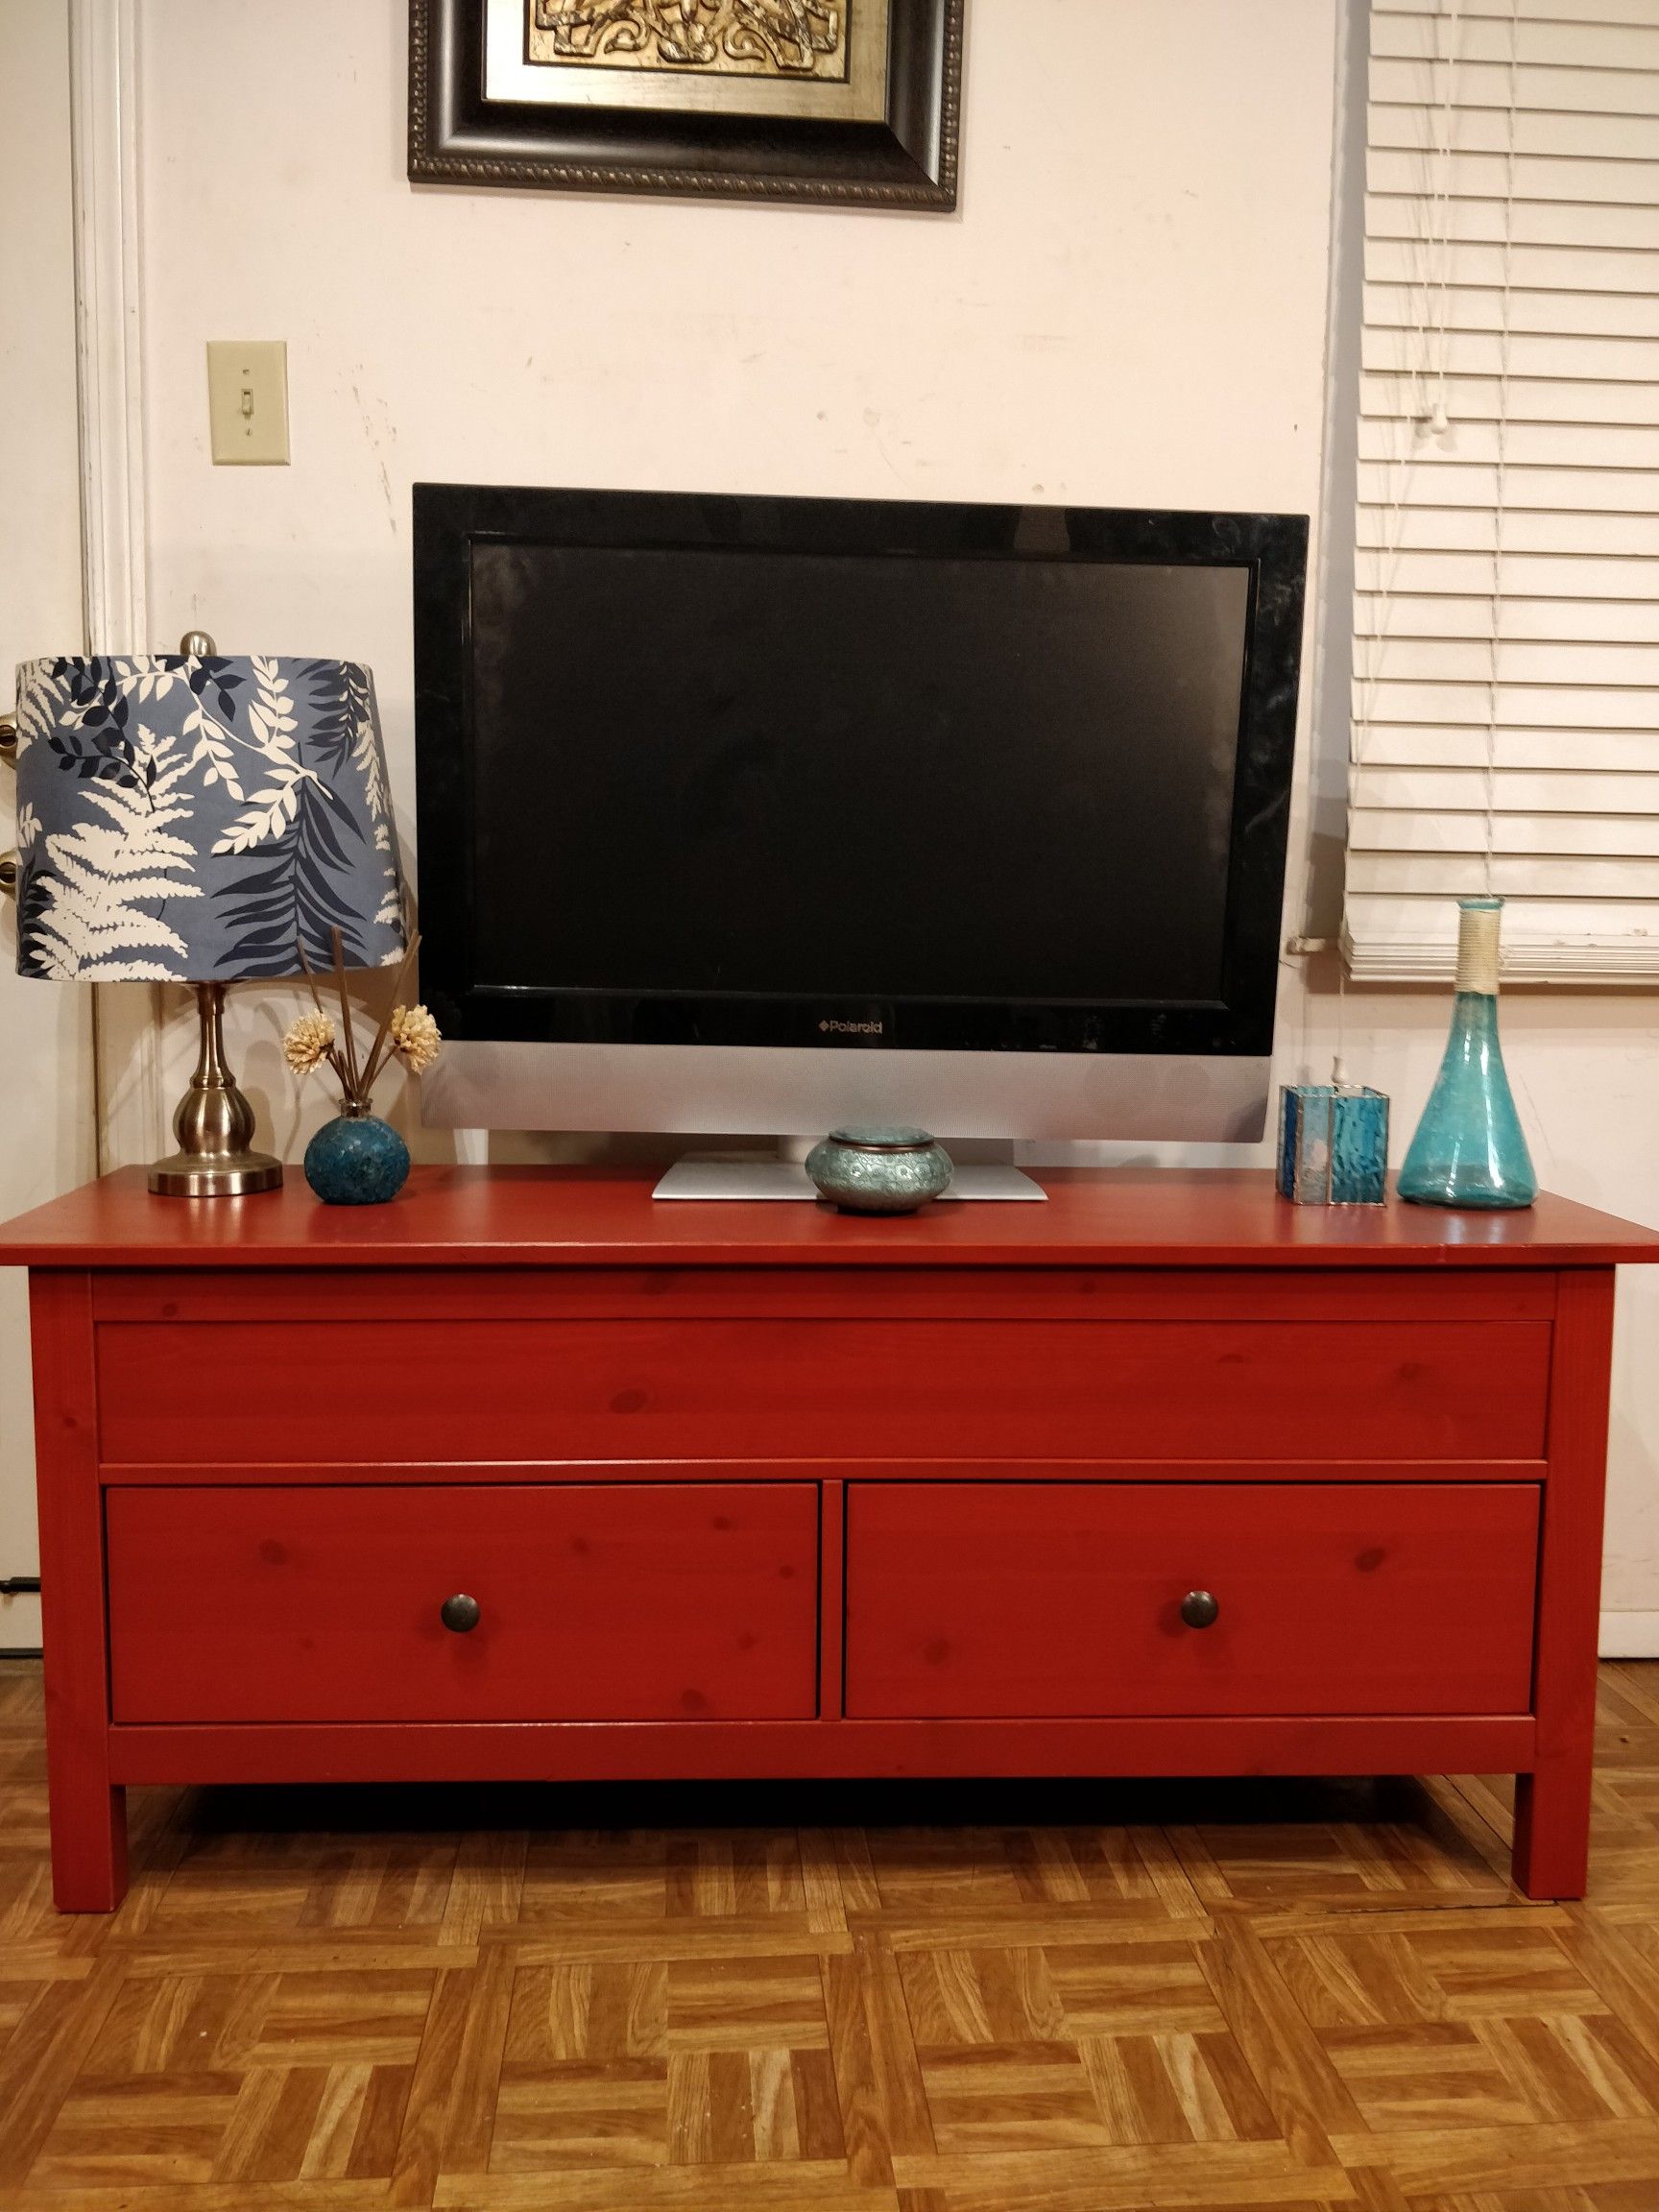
1469 1149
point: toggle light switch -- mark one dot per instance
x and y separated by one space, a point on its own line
248 399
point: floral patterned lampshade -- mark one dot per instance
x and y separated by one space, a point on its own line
199 819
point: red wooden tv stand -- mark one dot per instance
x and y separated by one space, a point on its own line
523 1475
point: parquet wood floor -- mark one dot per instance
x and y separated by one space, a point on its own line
1083 1998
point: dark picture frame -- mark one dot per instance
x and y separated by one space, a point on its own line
908 159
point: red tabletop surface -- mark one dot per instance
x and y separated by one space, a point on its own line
537 1217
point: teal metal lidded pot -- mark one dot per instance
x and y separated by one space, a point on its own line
880 1171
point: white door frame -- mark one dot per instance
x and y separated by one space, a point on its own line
105 135
47 1109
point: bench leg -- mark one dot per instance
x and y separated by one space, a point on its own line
88 1812
1552 1802
1551 1856
88 1829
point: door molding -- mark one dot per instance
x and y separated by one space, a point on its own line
105 144
109 322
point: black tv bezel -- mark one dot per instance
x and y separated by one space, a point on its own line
450 518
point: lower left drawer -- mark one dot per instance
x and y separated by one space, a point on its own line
628 1602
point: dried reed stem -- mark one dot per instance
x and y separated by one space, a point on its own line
354 1087
377 1053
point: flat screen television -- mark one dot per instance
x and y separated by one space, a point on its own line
754 814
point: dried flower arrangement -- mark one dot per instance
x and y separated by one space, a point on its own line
408 1032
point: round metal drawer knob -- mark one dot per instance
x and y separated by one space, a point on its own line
1198 1609
460 1613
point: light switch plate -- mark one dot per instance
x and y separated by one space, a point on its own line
248 399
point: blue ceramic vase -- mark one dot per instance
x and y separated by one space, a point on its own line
357 1159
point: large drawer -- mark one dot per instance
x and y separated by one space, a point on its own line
627 1602
688 1387
1048 1600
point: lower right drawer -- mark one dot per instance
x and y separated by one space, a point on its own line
1051 1599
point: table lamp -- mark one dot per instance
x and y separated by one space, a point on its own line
197 818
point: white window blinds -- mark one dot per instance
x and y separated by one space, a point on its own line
1505 731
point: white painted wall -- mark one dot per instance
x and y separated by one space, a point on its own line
46 1089
1130 308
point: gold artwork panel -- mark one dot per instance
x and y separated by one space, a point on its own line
786 40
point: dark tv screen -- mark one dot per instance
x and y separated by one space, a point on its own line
710 769
718 772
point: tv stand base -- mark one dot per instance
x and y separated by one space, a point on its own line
749 1175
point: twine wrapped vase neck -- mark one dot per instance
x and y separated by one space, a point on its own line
1479 943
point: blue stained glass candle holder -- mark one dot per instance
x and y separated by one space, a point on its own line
1333 1144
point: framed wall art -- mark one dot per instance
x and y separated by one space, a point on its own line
839 101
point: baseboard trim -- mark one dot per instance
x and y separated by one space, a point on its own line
1629 1636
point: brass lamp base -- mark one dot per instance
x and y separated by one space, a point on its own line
214 1124
180 1175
